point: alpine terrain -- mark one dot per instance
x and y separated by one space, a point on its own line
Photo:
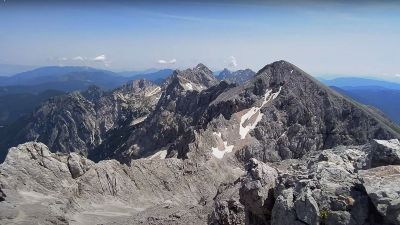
276 147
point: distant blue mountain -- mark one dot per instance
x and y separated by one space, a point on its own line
56 74
134 73
386 100
382 95
71 78
357 82
157 77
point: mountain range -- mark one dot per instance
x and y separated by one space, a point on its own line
21 93
278 147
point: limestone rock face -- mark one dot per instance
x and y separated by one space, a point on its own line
283 213
306 207
382 186
181 108
256 192
385 152
307 115
80 121
227 208
78 165
336 186
65 189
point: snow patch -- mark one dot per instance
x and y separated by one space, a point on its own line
219 153
153 92
138 120
159 155
393 143
244 130
189 86
291 71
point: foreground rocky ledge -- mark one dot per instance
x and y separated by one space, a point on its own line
344 185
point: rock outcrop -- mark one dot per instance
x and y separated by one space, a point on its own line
385 152
335 186
256 191
56 188
382 187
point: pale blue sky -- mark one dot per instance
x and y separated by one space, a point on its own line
321 38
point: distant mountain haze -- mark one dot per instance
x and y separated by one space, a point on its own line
72 78
239 76
382 95
16 105
353 82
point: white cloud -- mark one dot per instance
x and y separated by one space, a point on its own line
397 75
87 61
231 62
162 61
103 59
100 58
79 58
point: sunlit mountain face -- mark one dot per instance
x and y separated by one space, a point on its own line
200 112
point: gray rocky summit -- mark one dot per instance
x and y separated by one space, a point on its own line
279 149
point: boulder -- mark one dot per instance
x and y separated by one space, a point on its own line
306 208
382 187
78 165
256 191
283 212
2 195
385 152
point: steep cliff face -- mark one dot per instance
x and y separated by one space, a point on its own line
307 115
78 122
67 123
281 113
185 97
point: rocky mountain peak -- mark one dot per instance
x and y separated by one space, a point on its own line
197 78
238 77
202 67
139 87
225 70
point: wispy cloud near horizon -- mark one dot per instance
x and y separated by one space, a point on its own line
83 60
163 61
